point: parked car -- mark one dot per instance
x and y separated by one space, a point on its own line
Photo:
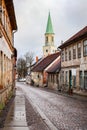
22 80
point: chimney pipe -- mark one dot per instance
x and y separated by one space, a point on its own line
36 58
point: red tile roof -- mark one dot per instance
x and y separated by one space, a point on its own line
78 36
45 62
55 67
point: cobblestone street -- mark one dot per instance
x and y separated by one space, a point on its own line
62 112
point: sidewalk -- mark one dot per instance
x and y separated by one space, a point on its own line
16 118
22 115
78 95
81 93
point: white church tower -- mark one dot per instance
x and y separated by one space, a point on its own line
49 47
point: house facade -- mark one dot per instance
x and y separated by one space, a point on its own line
54 74
39 74
8 53
74 61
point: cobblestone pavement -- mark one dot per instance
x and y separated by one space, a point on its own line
21 115
65 113
34 120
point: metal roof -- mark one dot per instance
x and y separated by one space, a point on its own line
49 29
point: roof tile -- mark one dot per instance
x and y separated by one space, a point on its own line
45 62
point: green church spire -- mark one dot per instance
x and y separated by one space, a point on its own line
49 28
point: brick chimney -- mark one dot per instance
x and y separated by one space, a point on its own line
36 58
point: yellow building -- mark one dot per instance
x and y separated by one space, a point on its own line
8 53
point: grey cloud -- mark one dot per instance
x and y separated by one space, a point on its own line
68 17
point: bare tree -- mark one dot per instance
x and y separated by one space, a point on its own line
21 67
29 60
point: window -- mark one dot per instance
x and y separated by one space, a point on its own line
81 79
69 54
53 79
85 47
62 77
74 52
79 50
52 39
62 55
57 79
46 50
66 77
46 39
1 67
0 12
85 79
65 55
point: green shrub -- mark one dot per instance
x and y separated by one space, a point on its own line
2 106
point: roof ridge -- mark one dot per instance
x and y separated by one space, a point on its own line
76 33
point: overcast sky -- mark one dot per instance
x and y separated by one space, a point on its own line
68 17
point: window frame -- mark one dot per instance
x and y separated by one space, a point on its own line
69 54
62 55
85 47
65 54
74 52
79 50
